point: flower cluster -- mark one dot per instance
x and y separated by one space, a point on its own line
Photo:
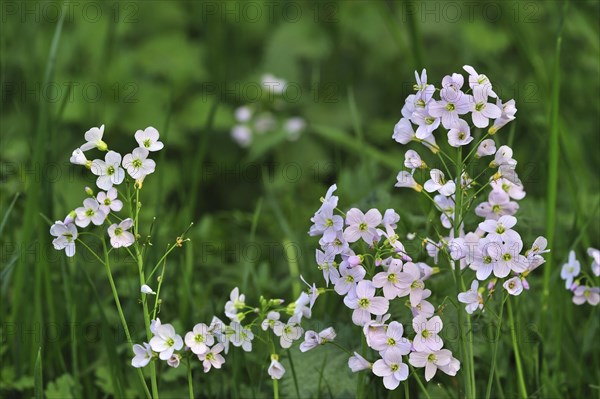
362 257
209 342
494 247
582 293
111 173
261 117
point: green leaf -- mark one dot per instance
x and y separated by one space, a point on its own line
61 388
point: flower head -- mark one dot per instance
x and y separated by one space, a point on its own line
166 341
570 270
143 355
66 234
148 139
89 212
364 302
472 298
212 358
108 201
276 369
119 234
199 339
391 368
93 138
137 163
361 225
109 171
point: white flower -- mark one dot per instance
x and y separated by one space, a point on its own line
570 270
66 234
143 355
413 161
154 324
212 358
391 368
472 298
94 139
514 286
293 127
289 332
508 114
242 135
174 360
108 201
276 369
459 134
166 341
271 320
79 158
426 333
243 114
486 147
364 302
199 339
405 179
358 363
423 308
431 360
439 183
504 158
403 131
145 289
482 111
264 122
501 229
272 84
451 368
362 225
109 171
89 212
235 303
119 234
478 80
148 139
595 254
391 340
587 294
137 163
312 339
241 336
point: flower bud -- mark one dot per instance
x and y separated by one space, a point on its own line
89 191
102 146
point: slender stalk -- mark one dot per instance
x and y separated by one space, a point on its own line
189 378
142 279
460 286
513 332
488 390
421 383
115 293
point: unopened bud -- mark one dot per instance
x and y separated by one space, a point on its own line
89 191
102 146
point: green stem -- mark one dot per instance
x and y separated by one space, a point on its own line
142 279
513 332
469 384
420 382
488 390
189 377
113 287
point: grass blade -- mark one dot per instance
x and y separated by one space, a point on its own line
37 376
553 159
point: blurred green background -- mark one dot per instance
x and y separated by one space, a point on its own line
184 67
